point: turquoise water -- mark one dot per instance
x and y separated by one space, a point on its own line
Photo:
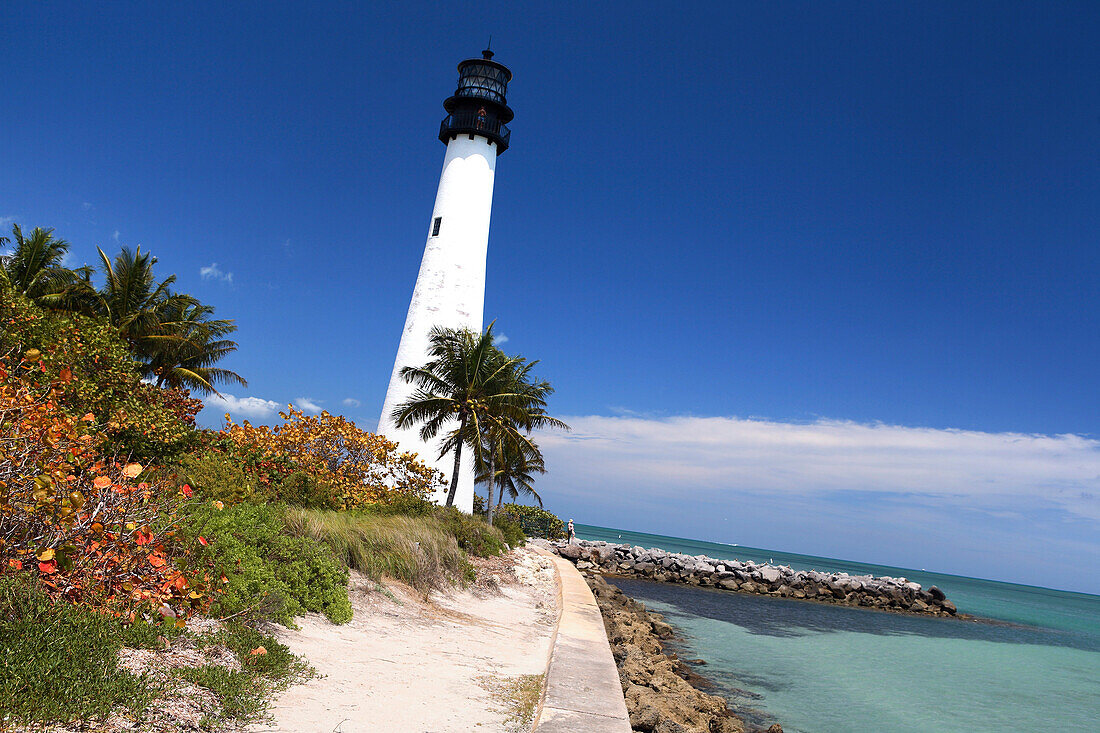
817 668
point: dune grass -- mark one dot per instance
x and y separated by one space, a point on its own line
422 551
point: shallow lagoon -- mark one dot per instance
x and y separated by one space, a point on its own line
818 668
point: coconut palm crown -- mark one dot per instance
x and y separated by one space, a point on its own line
480 396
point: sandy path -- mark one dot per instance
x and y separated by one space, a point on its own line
410 666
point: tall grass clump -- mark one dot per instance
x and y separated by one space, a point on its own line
420 551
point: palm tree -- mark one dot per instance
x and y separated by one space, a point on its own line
172 334
508 436
35 268
132 300
466 383
512 470
186 346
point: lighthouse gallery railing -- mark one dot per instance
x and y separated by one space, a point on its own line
476 124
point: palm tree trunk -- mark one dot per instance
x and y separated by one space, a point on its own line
492 482
458 465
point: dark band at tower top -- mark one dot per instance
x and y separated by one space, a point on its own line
479 105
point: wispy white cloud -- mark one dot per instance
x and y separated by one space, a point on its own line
213 272
253 408
351 402
1015 506
86 206
7 221
308 404
500 338
116 235
716 455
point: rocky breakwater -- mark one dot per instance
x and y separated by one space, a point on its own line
883 593
659 690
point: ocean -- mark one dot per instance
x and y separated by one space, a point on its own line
817 668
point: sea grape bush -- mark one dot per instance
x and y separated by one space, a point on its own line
361 468
140 419
95 530
535 521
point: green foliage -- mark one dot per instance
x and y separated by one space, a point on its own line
271 572
420 550
59 662
172 334
473 533
511 529
492 400
242 693
100 377
404 506
216 477
534 521
309 492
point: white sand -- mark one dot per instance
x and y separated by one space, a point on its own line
417 667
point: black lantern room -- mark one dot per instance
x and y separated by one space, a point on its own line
479 105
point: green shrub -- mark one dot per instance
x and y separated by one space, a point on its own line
417 550
512 531
473 533
302 489
405 506
535 521
243 694
270 571
215 476
59 662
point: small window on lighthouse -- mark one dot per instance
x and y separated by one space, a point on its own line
435 226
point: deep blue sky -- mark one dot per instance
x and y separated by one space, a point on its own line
854 211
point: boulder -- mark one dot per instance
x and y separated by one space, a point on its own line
937 594
572 552
769 574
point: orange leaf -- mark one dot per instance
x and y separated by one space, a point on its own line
88 417
143 536
258 652
156 560
101 482
49 568
131 470
66 375
15 564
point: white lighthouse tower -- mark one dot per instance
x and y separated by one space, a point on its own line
450 289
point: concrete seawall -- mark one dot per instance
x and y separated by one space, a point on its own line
583 691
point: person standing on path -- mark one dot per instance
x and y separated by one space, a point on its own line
572 533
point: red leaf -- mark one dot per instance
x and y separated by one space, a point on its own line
202 541
15 564
142 537
186 489
49 568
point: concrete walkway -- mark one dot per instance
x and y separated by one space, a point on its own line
583 692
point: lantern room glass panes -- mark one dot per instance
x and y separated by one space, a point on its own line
484 81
